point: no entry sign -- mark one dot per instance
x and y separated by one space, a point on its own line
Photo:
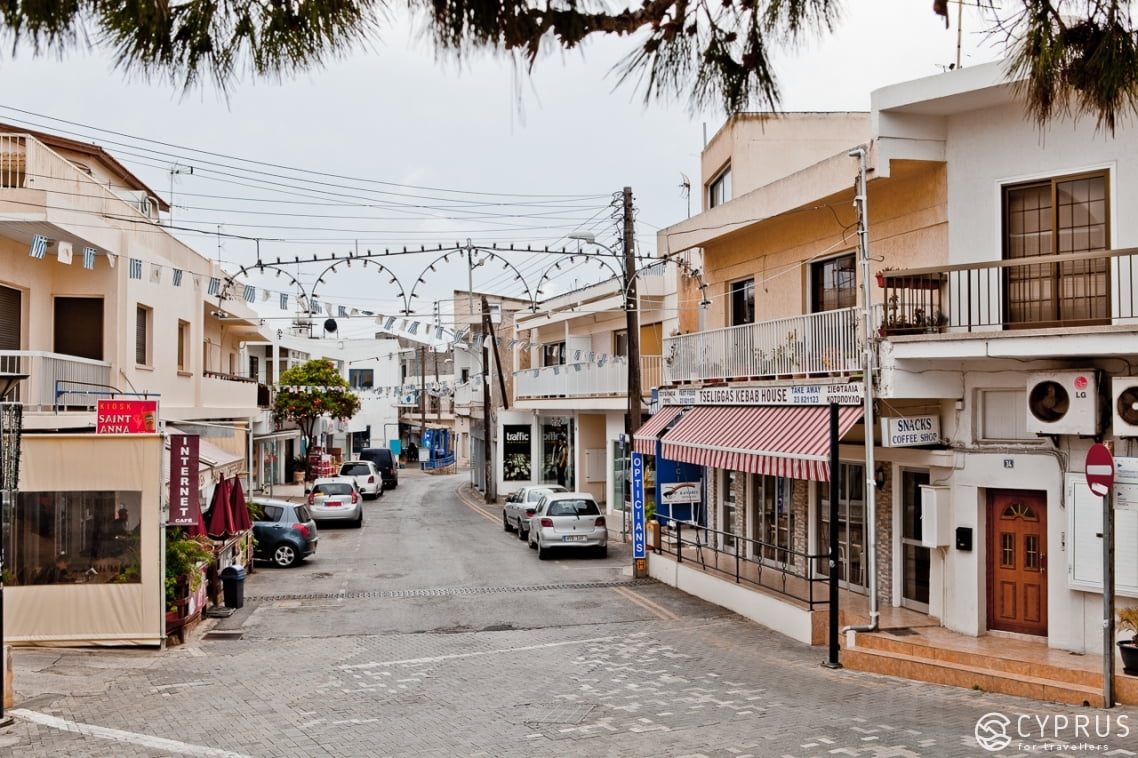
1100 469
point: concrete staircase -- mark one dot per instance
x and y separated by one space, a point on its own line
993 664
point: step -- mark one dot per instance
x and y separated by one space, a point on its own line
925 649
958 674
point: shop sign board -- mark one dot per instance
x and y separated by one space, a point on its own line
638 525
126 417
852 393
1125 483
185 508
908 431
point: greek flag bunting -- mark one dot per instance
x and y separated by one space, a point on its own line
135 268
390 322
250 293
177 277
214 286
341 312
284 301
414 328
39 246
88 257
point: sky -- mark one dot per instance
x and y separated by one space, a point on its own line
395 147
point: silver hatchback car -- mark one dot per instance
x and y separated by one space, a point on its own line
336 498
568 519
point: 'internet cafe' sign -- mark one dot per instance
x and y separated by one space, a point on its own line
907 431
185 508
127 417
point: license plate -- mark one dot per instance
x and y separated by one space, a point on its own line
331 504
574 538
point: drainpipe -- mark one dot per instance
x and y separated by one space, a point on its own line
868 355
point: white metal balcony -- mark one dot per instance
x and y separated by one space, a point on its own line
816 344
584 379
55 381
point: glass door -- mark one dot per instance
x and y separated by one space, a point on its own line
850 525
914 555
772 523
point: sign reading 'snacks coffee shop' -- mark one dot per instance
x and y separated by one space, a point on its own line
185 508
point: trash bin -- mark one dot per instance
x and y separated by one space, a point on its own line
233 586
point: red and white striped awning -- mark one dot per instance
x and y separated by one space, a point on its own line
781 440
644 438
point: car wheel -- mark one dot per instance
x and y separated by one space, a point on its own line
529 541
542 552
522 533
603 551
359 521
285 555
506 523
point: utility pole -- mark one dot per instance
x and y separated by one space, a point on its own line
422 394
489 490
631 305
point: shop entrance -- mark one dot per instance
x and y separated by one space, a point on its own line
1017 561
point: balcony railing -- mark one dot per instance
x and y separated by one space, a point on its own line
584 379
816 344
57 382
1050 291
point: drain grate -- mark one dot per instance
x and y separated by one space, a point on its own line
224 634
443 591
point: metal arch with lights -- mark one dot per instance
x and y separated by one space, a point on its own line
364 261
468 251
573 258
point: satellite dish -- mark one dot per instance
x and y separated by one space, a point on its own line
1049 401
330 325
1127 405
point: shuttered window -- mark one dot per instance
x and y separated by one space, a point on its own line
9 319
78 327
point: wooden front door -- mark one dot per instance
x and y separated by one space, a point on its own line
1017 561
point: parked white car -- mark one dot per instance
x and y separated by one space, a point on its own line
568 519
519 506
367 477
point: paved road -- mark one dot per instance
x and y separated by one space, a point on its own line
432 632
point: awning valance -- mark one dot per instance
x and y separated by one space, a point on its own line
644 438
791 441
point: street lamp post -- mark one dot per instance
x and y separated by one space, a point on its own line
11 416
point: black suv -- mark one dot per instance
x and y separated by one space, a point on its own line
386 462
283 532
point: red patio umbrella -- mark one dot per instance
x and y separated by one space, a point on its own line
241 520
220 512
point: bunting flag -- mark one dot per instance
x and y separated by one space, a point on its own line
284 301
197 279
478 341
155 273
265 295
88 257
577 355
341 312
250 293
135 268
328 309
314 306
390 322
438 332
214 286
511 343
112 259
39 246
64 253
178 277
414 328
301 303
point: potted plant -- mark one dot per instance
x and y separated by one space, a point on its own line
1128 622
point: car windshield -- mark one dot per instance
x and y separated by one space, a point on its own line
333 488
574 508
355 469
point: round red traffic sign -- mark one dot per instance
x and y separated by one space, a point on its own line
1100 469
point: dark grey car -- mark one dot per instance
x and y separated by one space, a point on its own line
283 532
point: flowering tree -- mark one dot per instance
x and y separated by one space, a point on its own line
312 390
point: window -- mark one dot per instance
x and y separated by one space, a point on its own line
78 327
719 188
833 284
142 316
90 537
183 345
10 315
1057 217
772 524
742 302
553 354
850 526
361 378
620 344
729 507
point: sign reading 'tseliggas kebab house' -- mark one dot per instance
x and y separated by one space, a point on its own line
807 394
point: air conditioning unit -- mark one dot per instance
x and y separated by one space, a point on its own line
1124 405
1063 402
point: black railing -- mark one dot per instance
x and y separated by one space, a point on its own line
760 564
